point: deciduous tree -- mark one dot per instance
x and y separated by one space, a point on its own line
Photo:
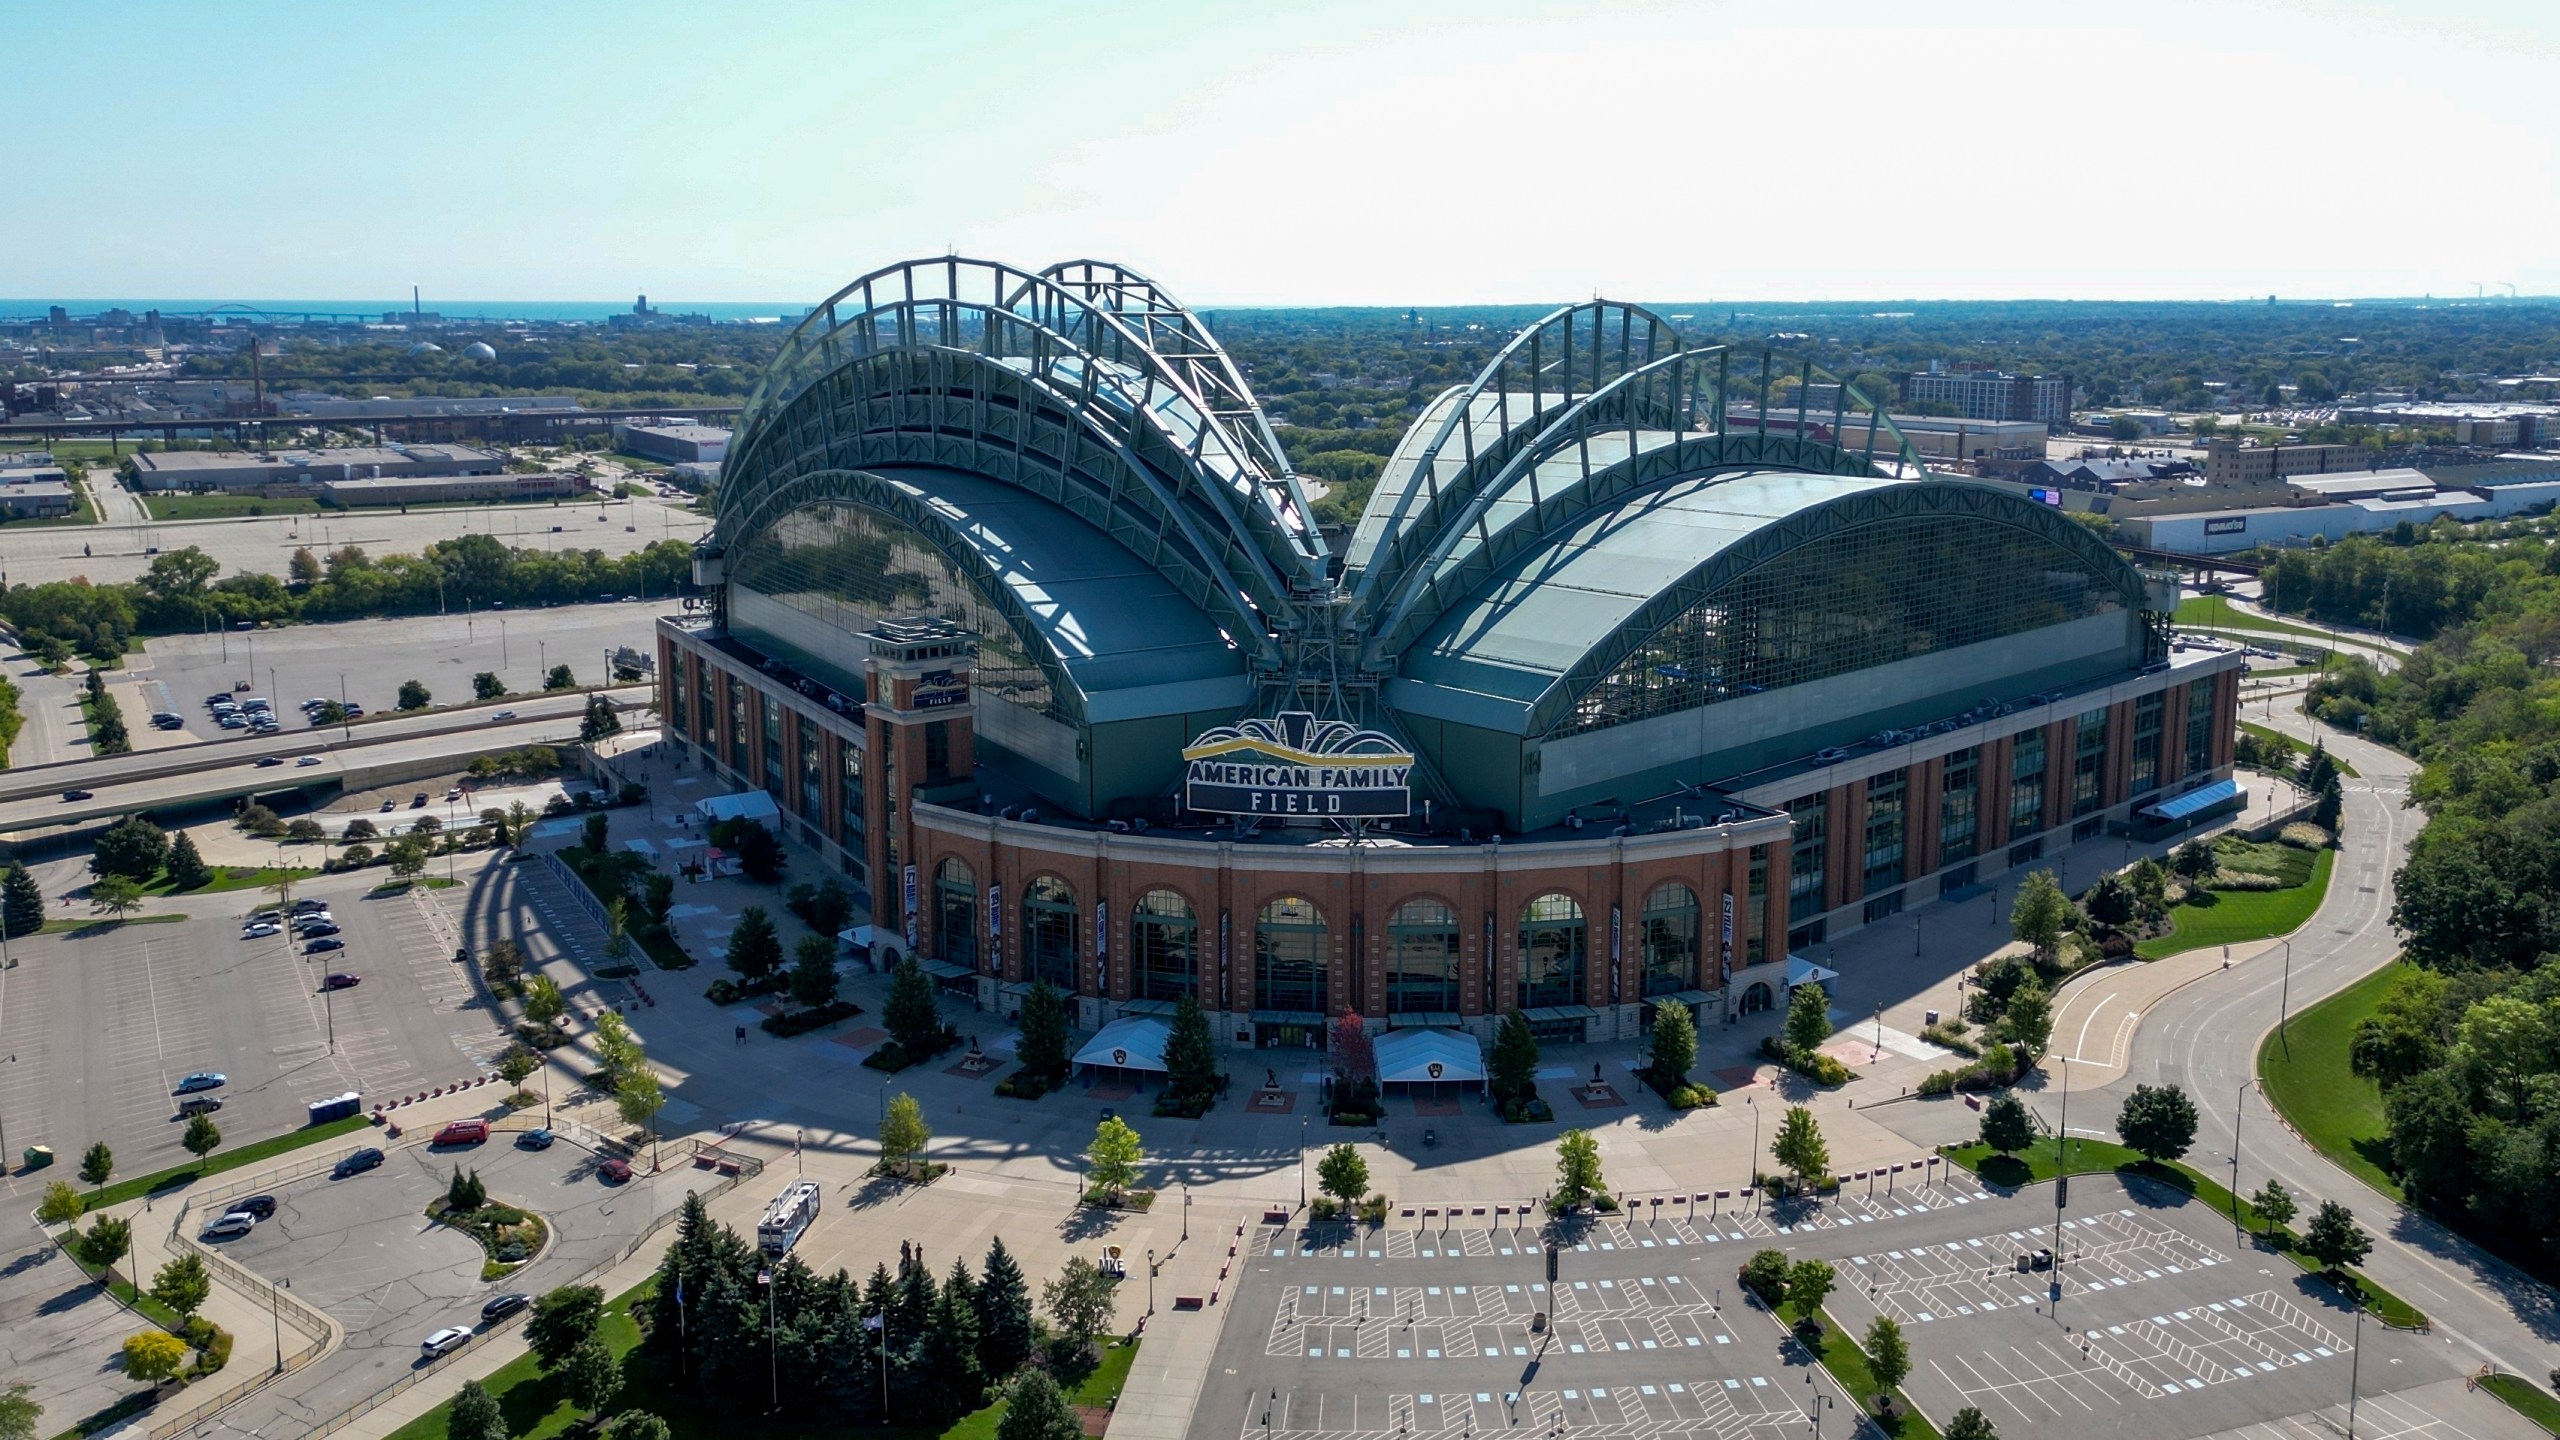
1112 1160
1343 1175
183 1284
2158 1120
903 1133
201 1137
1799 1147
153 1356
1578 1168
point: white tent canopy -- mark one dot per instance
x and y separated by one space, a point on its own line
1425 1056
1134 1043
1801 971
745 805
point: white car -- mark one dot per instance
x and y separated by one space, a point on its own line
238 1222
308 760
262 930
446 1341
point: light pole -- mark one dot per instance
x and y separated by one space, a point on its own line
1302 1162
346 722
275 1319
772 1367
502 642
2239 1112
1186 1211
2284 998
2355 1359
1151 1280
1752 1176
2061 1179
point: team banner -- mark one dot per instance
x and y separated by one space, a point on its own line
1296 764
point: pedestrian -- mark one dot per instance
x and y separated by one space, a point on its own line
742 1034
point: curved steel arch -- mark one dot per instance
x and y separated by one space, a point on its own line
1523 366
951 300
876 493
1089 462
1073 471
1659 395
1176 332
1063 377
1773 541
1432 591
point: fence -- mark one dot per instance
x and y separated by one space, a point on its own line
587 902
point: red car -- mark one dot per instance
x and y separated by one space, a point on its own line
462 1132
614 1171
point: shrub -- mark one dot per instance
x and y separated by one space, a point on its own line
1937 1082
2303 835
1951 1034
1813 1065
801 1022
1023 1085
2243 880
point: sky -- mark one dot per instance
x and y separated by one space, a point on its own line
1311 152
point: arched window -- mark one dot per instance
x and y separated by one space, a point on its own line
1669 935
1049 933
1422 958
1552 951
1164 947
955 913
1289 957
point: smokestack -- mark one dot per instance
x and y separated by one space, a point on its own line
415 309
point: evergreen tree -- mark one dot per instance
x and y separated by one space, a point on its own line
187 869
755 948
1513 1066
910 1014
1004 1314
951 1338
21 903
1043 1050
1190 1058
1674 1046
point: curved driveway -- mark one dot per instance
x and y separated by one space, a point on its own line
2206 1038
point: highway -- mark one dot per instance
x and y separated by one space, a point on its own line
224 769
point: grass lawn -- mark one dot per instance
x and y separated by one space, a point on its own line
2526 1399
2228 917
1847 1363
224 507
2310 1083
2043 1161
1098 1390
100 924
2205 612
228 878
226 1159
2263 733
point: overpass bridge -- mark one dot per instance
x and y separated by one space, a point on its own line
216 771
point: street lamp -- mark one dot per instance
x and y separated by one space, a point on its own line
275 1318
1302 1162
2239 1112
2355 1357
2284 997
1752 1176
1151 1279
772 1367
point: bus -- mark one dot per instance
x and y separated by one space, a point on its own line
788 1217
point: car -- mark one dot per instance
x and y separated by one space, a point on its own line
262 1206
261 930
307 905
353 711
70 795
321 931
534 1139
446 1341
502 1306
218 699
418 801
201 1080
324 945
199 1105
236 1222
462 1132
268 761
356 1163
454 794
315 702
233 720
340 980
503 715
167 721
308 760
1832 756
320 916
614 1171
390 805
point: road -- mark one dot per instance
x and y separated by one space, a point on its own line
264 545
2206 1037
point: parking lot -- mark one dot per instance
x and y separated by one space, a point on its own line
367 660
362 1249
104 1022
2168 1327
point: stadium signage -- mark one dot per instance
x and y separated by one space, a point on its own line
937 688
1295 764
2227 525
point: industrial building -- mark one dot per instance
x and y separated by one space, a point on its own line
2332 507
1014 612
451 489
2229 462
2488 424
1993 394
34 487
261 470
672 441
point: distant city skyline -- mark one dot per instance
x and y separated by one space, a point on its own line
1441 152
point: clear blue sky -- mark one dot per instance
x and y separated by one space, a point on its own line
1304 152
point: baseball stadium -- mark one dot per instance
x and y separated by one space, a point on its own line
1016 612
